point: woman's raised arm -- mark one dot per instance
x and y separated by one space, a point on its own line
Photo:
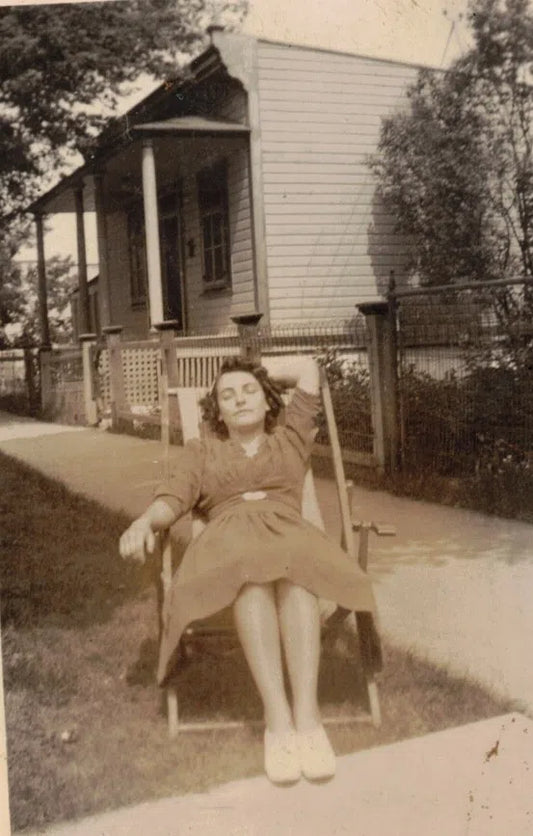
299 371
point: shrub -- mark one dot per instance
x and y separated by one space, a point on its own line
350 393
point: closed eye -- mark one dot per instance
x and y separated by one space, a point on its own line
226 394
248 389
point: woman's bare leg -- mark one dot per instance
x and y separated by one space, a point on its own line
256 620
300 632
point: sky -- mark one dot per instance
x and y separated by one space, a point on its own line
431 32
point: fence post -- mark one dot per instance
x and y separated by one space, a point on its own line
47 394
116 372
89 389
168 379
382 361
29 376
248 330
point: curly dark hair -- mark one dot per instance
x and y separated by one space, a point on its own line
273 393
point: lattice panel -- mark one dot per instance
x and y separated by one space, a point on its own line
141 379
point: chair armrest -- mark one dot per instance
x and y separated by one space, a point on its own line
364 528
382 529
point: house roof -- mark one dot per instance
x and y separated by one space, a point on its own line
126 128
60 197
190 125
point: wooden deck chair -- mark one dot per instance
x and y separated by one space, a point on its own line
369 643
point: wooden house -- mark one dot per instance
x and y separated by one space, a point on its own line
243 186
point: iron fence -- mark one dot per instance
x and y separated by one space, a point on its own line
465 378
19 379
341 347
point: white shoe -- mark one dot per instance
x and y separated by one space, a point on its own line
317 758
282 761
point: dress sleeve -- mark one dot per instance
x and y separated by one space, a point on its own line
183 487
300 421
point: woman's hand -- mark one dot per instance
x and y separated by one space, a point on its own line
137 540
294 371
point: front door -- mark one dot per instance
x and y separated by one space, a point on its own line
170 236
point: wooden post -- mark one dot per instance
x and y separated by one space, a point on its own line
168 379
116 372
83 290
43 300
4 786
248 330
104 291
89 389
29 376
347 540
151 224
47 394
383 382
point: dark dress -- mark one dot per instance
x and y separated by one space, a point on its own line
255 531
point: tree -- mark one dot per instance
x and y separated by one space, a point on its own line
19 303
62 71
456 168
63 67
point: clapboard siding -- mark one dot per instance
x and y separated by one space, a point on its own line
134 321
329 243
213 311
290 59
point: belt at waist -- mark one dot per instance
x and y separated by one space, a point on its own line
250 505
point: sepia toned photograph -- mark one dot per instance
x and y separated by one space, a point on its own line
266 417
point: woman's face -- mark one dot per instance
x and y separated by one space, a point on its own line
241 402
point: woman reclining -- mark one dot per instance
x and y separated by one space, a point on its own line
257 553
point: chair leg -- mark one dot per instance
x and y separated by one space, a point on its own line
371 660
369 642
172 711
373 700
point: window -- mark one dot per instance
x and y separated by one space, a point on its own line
137 256
214 224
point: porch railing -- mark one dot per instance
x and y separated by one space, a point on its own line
131 377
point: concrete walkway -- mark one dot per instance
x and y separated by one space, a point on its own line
453 584
444 784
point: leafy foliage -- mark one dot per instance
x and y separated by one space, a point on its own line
456 168
62 67
19 304
62 71
350 394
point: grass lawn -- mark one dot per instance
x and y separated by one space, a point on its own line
86 729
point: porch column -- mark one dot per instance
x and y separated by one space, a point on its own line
43 296
151 224
82 264
104 290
